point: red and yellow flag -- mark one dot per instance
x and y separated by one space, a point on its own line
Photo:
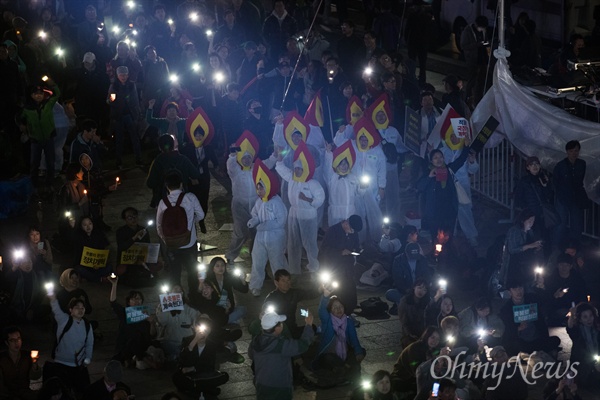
354 110
314 112
294 122
199 119
364 127
443 130
267 178
248 143
304 159
344 152
381 104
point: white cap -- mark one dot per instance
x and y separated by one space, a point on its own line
89 57
270 320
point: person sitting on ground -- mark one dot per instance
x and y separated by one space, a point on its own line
206 300
380 387
54 389
408 266
439 307
197 374
446 367
477 319
272 353
404 375
176 324
411 312
583 328
94 239
134 338
529 335
564 388
26 287
110 381
223 284
285 299
509 385
70 288
137 273
41 252
562 289
17 368
340 350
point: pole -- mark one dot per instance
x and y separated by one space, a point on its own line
501 23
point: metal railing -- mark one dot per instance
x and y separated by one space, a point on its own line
500 168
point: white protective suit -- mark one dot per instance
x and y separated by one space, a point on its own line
316 144
342 193
391 202
465 212
370 163
303 222
244 198
269 245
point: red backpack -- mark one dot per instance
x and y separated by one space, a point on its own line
174 224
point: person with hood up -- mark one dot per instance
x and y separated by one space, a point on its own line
272 356
239 167
305 195
268 216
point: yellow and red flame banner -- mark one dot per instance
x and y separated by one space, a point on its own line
314 112
198 118
354 110
364 127
447 131
263 175
304 156
344 152
381 104
248 143
294 122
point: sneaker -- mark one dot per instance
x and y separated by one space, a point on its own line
255 292
231 346
393 310
236 358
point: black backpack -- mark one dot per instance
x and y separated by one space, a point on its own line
374 308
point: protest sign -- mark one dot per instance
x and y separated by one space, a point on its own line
525 312
412 130
484 134
461 127
140 252
171 301
93 258
135 314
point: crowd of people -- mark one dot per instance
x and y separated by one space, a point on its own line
311 135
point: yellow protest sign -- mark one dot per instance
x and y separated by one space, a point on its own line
139 253
93 258
134 255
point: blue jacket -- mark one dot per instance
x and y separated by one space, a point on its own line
328 334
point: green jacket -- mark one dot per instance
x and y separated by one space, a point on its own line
39 118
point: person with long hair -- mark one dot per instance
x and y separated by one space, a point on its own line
223 284
411 311
404 375
88 237
477 319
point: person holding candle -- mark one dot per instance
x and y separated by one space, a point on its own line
18 367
